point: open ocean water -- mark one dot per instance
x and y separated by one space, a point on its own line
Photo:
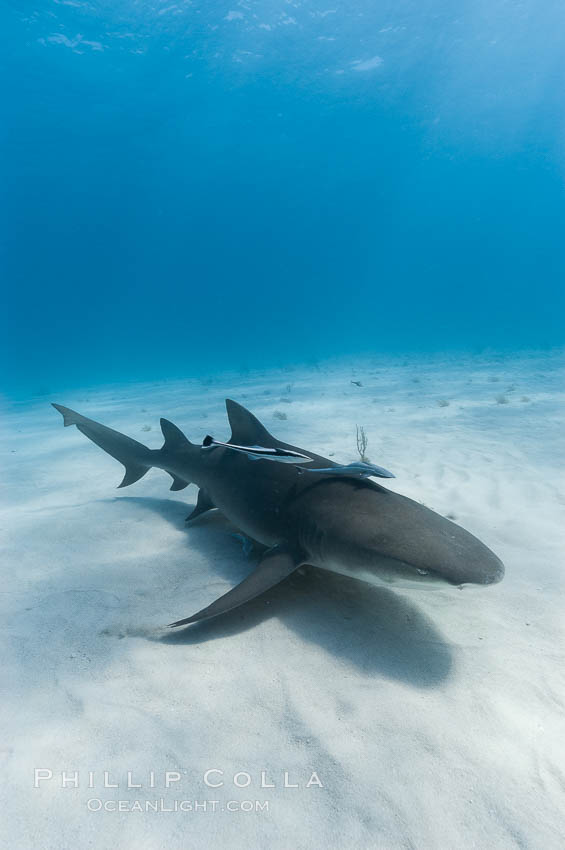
189 187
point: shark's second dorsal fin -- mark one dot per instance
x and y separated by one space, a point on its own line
246 430
174 438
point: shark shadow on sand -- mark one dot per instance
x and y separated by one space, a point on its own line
371 628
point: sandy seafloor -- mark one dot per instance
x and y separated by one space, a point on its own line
433 718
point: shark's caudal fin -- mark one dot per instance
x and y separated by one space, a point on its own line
136 457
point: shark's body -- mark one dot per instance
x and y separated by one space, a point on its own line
345 524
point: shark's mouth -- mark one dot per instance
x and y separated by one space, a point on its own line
391 572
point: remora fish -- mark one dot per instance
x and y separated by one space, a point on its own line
259 452
358 468
287 456
349 525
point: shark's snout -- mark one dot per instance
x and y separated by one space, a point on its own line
491 573
444 572
454 556
469 561
465 561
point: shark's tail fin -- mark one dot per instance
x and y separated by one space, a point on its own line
136 457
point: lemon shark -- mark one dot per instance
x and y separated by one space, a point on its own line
347 524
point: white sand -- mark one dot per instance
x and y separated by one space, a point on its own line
434 719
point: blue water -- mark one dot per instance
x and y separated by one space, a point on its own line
191 186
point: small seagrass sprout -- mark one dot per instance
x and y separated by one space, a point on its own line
362 442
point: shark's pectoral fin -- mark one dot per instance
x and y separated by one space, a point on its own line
203 503
277 563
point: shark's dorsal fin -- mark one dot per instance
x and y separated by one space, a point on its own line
174 438
246 430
